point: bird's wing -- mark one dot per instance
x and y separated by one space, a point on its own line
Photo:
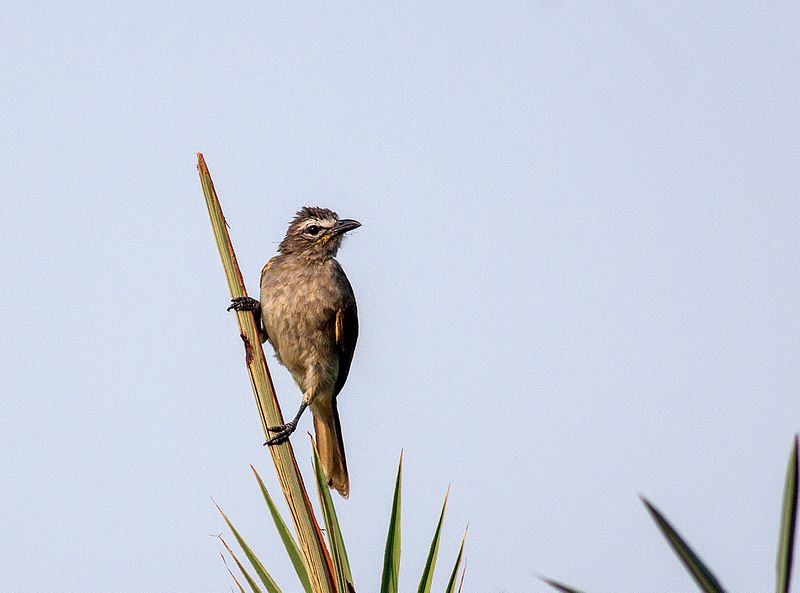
262 326
266 268
346 337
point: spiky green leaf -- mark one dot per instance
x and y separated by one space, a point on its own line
391 557
558 586
308 532
704 578
250 580
266 579
451 584
426 580
788 523
341 564
230 572
461 582
286 536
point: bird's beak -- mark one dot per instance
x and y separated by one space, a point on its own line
345 225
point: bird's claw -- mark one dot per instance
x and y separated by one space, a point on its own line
244 304
284 432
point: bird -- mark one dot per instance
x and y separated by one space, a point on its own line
307 311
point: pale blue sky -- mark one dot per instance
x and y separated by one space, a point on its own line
578 280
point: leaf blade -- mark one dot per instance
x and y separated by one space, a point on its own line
559 586
391 557
230 572
451 584
266 578
341 564
783 567
309 536
250 580
704 578
292 549
426 580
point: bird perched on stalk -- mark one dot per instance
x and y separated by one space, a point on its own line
307 311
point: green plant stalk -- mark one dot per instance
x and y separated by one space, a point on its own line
309 535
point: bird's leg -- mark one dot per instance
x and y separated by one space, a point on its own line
247 303
285 430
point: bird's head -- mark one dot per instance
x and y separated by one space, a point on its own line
316 232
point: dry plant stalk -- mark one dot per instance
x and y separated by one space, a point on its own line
315 554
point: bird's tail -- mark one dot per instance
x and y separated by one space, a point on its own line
331 447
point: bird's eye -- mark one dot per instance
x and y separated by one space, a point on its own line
312 230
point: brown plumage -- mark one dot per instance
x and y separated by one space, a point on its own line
308 314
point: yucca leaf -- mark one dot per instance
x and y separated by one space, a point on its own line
788 524
391 557
451 584
233 576
560 586
702 575
426 580
266 579
309 535
250 580
341 565
235 580
463 574
286 536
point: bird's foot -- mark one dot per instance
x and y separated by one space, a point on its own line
284 431
244 304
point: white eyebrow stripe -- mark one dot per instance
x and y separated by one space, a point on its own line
327 224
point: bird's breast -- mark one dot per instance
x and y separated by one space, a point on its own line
298 308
